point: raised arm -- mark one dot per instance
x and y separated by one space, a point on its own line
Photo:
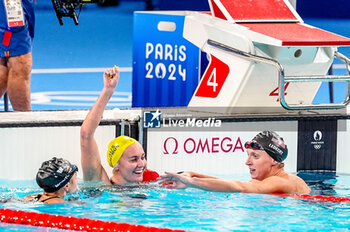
90 155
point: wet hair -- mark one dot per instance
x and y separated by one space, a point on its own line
54 174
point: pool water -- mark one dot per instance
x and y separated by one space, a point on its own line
193 209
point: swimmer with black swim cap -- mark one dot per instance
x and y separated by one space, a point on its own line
266 153
56 177
270 142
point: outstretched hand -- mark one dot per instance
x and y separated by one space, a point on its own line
174 180
111 77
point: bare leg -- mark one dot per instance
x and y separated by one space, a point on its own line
3 76
18 83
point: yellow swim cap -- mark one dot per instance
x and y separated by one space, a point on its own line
116 148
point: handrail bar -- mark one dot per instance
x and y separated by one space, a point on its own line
330 78
282 79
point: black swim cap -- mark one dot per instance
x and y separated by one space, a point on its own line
54 174
270 142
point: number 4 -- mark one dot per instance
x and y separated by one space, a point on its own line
212 80
275 91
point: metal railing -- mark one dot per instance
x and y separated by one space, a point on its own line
282 78
6 102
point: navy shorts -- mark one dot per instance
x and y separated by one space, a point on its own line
21 37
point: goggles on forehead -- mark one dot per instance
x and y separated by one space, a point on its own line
63 173
253 145
74 168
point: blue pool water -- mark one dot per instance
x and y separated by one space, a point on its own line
193 209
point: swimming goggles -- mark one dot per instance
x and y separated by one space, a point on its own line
74 168
253 145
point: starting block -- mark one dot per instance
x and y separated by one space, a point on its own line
262 54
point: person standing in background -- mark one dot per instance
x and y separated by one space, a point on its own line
17 21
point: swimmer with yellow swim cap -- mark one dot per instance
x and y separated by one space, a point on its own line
125 154
117 147
127 158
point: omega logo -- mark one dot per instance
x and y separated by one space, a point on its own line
213 145
175 151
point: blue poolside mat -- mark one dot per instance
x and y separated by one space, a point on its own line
102 39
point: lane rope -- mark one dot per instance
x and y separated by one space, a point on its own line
71 223
86 224
318 198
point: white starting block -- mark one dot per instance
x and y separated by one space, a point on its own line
262 55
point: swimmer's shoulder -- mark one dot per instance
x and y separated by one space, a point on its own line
31 198
300 184
38 197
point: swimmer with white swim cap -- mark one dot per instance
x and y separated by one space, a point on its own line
266 153
125 154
